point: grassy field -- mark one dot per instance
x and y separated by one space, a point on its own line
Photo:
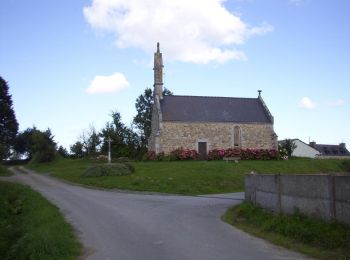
32 228
313 237
185 177
4 171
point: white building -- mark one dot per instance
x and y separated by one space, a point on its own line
304 150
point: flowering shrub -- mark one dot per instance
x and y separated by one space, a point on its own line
160 156
185 154
175 155
150 156
244 154
215 154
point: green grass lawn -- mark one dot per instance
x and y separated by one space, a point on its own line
313 237
4 171
32 228
184 177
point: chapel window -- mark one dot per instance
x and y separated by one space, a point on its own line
237 136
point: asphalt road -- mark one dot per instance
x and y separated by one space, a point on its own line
125 225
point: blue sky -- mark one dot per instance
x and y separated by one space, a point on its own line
70 63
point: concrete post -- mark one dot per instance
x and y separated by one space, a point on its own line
279 193
331 188
254 187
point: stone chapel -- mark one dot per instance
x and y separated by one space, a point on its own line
205 123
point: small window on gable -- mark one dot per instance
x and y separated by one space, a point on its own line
237 136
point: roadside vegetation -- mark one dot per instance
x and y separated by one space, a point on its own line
310 236
4 171
32 228
184 177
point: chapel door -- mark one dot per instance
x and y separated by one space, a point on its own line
202 150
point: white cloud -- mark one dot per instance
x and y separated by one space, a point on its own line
198 31
306 102
107 84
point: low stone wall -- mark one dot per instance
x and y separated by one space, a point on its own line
322 196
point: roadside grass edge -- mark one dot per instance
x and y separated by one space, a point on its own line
33 228
295 232
4 171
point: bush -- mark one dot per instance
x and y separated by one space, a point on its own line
179 154
44 156
149 156
113 169
160 156
100 159
185 154
244 154
216 154
121 160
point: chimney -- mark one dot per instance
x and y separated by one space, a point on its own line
312 144
342 145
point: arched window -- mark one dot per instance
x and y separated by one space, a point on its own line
237 136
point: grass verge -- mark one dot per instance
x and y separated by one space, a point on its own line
32 228
184 177
4 171
313 237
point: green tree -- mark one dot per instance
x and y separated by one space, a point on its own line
287 146
62 151
77 150
8 121
36 145
124 141
92 142
89 143
143 118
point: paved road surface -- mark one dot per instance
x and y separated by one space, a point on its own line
122 225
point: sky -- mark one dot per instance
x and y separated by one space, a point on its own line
69 64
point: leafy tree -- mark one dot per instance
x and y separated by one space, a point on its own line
77 150
44 147
124 141
62 151
288 146
36 145
143 119
91 142
8 121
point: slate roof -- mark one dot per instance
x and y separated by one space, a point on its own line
332 150
214 109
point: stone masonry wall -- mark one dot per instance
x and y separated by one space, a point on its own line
217 135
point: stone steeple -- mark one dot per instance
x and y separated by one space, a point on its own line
158 73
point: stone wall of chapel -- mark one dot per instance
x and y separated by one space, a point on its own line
154 129
217 135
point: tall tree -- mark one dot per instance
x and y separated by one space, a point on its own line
124 140
8 121
77 150
143 119
36 145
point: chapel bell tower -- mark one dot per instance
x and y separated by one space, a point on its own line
158 73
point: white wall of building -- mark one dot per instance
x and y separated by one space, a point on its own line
304 150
